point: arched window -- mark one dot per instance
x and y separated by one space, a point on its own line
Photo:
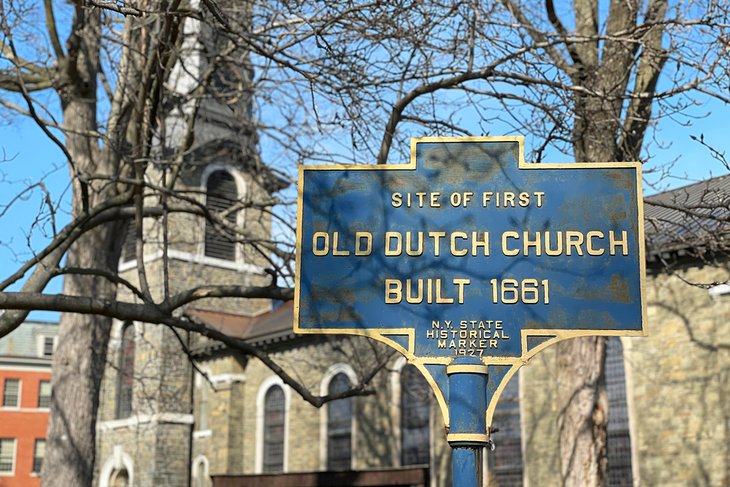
415 426
125 379
505 462
200 473
619 438
274 429
221 195
339 426
119 478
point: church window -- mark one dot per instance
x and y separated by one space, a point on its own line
129 244
619 439
415 414
119 478
505 462
274 429
201 477
221 196
339 426
125 380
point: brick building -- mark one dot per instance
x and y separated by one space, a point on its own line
25 388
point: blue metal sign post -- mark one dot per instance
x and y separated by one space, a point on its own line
469 261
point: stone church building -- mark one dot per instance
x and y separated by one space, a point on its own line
219 417
178 410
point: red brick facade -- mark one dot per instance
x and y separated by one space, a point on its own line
24 424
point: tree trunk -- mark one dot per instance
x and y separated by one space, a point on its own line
584 414
79 360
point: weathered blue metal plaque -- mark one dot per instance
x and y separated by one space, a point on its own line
470 252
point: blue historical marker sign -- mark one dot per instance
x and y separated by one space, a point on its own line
469 252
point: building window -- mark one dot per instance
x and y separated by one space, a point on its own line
203 389
11 393
200 474
44 394
505 462
7 455
339 425
221 196
274 429
48 346
415 426
619 439
39 453
129 244
125 379
119 478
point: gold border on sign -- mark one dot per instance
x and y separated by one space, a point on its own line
382 334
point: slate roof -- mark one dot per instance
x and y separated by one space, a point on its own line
267 328
693 218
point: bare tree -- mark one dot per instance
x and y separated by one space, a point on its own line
329 81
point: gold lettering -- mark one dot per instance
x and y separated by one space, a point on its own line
559 241
435 200
486 197
409 244
505 236
476 243
393 237
623 243
531 243
324 249
367 237
410 298
539 195
396 199
573 240
436 236
509 199
524 199
589 243
439 298
460 283
335 243
393 291
454 251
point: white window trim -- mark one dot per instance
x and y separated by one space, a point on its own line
39 394
194 468
20 395
395 410
118 460
719 290
15 453
626 349
269 382
139 419
195 258
35 442
40 342
324 384
241 192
